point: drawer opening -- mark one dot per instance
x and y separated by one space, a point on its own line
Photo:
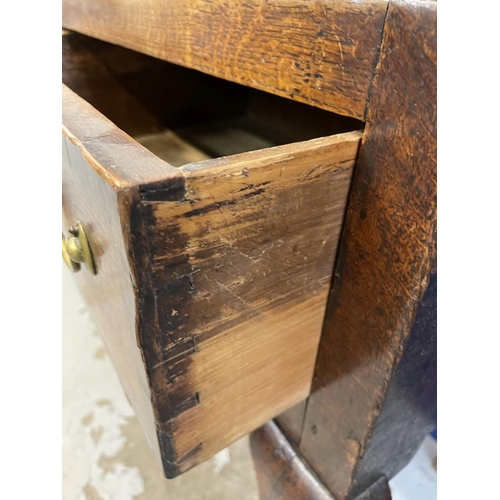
183 115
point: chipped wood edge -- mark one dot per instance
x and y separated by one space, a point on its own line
217 166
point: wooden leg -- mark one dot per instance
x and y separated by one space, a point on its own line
406 417
282 474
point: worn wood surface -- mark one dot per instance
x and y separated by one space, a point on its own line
92 199
114 155
315 51
143 96
409 412
385 258
102 171
229 263
86 72
388 242
281 474
240 271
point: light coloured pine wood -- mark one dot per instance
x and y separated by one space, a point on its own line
168 146
250 374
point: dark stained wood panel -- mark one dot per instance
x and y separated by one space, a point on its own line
409 411
386 254
319 52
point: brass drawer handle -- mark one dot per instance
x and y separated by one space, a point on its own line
76 250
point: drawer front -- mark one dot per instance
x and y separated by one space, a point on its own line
212 278
109 294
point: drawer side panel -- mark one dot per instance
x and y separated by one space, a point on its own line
241 267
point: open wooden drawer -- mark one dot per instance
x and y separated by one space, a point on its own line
213 241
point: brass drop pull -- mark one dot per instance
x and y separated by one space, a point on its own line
76 250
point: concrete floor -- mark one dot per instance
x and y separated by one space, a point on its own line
105 454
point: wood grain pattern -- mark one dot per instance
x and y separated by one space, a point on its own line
229 262
146 97
281 474
85 73
89 198
102 167
240 382
114 155
240 270
409 411
314 51
386 255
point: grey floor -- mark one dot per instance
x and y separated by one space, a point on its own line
106 457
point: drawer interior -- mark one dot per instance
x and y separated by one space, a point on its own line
182 115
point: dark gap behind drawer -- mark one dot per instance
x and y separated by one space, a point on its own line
183 115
